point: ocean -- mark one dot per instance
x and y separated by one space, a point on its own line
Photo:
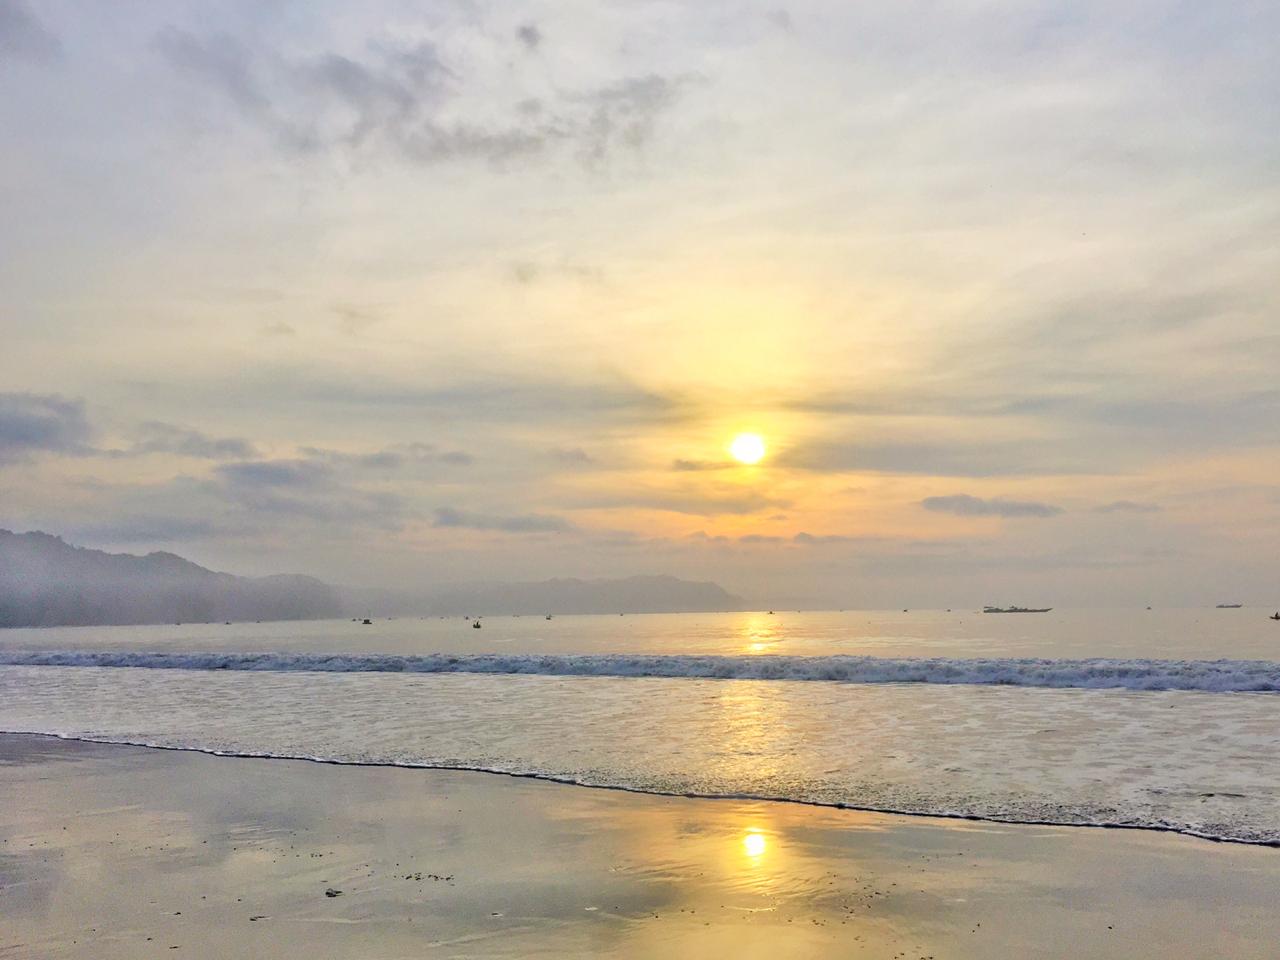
1160 719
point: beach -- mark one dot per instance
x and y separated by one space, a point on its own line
113 851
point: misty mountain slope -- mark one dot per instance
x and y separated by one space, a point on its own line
45 582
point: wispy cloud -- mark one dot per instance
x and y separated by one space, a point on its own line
964 505
697 466
1127 506
158 437
256 474
525 523
570 455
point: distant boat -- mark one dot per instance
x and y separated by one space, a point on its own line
1016 609
548 616
475 625
1230 606
366 621
1275 616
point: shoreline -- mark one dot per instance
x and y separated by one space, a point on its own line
635 791
112 851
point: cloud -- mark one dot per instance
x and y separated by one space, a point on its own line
528 523
711 501
692 466
251 474
809 538
353 321
942 458
625 114
378 460
804 539
402 101
158 437
502 398
146 529
963 505
1127 506
528 272
23 36
308 489
41 423
779 18
391 458
529 35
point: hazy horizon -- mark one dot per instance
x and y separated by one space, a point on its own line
395 295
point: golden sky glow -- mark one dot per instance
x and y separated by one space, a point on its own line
995 291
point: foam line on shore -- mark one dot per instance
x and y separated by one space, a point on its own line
943 813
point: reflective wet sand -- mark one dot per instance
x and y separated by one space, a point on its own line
123 852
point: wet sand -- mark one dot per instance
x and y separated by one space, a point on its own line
124 852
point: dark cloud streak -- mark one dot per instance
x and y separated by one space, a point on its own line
158 437
42 423
450 517
23 36
964 505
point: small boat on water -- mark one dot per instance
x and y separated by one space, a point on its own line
548 616
366 621
1230 606
1016 609
475 625
1275 616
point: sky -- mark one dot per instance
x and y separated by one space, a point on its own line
400 293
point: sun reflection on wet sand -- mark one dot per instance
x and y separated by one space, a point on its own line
235 855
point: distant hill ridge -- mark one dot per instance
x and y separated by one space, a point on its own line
47 582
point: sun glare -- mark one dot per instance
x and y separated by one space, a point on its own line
747 448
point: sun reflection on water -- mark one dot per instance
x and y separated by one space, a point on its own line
760 633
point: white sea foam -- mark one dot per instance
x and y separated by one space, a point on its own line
1217 676
1186 761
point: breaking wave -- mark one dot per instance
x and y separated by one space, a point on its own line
1215 676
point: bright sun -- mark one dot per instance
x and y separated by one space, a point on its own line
748 448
